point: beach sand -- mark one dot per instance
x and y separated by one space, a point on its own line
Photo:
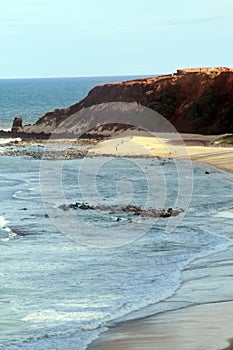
186 146
202 327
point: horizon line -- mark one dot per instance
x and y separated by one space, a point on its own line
82 76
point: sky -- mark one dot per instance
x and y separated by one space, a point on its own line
72 38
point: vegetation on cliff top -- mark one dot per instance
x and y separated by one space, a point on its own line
224 140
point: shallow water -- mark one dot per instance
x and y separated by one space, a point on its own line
59 294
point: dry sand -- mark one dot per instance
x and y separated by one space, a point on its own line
194 147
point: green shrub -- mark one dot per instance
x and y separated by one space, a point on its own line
164 104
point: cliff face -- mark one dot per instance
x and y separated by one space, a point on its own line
193 102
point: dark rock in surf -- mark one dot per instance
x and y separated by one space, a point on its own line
17 124
130 209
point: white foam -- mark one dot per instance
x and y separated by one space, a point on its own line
3 226
56 316
9 140
6 129
17 194
227 214
3 222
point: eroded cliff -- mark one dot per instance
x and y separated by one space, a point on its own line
194 102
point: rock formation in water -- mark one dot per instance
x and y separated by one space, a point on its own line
17 124
130 209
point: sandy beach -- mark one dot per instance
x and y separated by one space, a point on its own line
199 327
194 147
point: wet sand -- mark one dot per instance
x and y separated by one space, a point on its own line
230 347
202 327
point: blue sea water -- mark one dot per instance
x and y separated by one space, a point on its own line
56 293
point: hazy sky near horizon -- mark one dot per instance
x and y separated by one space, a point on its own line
58 38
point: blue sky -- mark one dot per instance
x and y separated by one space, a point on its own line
52 38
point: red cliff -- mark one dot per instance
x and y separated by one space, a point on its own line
194 102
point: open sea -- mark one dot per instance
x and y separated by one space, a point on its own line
60 294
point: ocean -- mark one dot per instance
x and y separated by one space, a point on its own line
59 293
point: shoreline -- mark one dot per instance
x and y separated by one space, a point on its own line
193 325
189 328
192 147
198 316
196 148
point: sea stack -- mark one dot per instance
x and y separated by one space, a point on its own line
17 124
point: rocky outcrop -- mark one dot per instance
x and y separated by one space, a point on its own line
17 124
130 209
194 102
48 155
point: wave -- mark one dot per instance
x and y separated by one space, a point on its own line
7 233
226 213
26 194
55 316
57 339
4 142
3 222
